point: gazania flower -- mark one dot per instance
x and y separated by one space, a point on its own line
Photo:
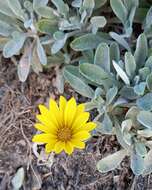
65 127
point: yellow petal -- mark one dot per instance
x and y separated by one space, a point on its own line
50 146
70 111
62 105
82 135
78 144
81 120
47 129
89 126
43 138
68 148
54 112
43 109
46 120
59 146
80 109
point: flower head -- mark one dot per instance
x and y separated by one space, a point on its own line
64 127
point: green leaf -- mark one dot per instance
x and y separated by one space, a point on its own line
46 12
102 57
114 52
111 94
107 124
145 102
15 6
111 162
145 118
24 64
140 148
137 163
98 21
141 50
62 8
120 40
119 9
47 26
93 73
6 29
140 88
86 42
13 46
130 64
149 82
148 163
39 3
128 93
4 8
76 82
121 73
41 53
88 4
99 3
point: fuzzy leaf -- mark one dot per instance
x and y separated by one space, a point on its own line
86 42
145 118
15 6
145 102
107 124
140 148
141 50
120 40
93 73
137 163
111 94
46 12
130 64
41 53
102 57
140 88
24 64
114 52
13 46
99 3
121 73
18 179
119 9
111 162
88 4
77 83
148 163
98 21
149 82
6 29
62 8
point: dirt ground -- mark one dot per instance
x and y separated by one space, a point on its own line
18 107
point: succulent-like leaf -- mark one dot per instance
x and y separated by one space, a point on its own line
114 52
120 40
140 88
145 102
111 162
107 124
46 12
137 163
13 46
148 163
77 83
16 8
119 9
149 82
24 64
145 118
141 50
99 3
111 94
130 64
102 57
140 148
62 8
121 73
41 53
94 73
86 42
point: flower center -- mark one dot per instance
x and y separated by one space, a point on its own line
64 134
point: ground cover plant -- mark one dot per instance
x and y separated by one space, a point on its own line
102 51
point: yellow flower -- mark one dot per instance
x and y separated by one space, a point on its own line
65 127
